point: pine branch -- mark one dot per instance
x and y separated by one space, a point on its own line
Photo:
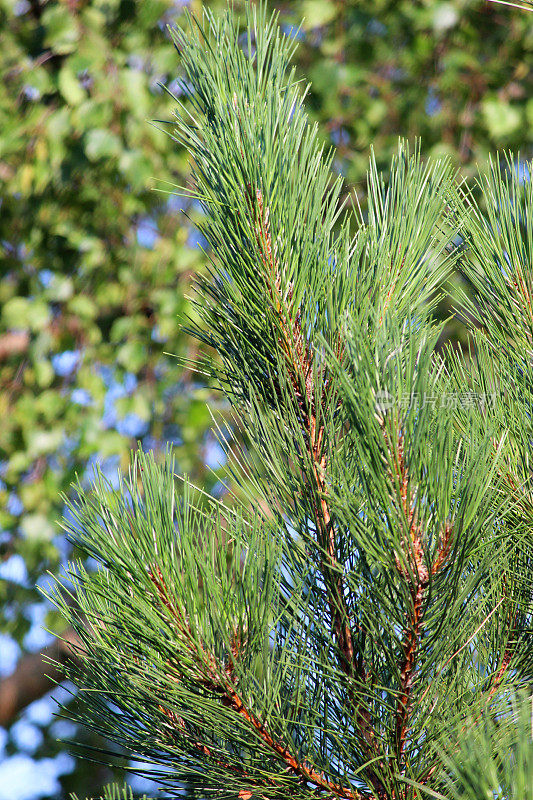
300 364
413 569
329 647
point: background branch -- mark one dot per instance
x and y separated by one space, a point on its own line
35 675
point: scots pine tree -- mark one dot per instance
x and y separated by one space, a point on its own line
353 619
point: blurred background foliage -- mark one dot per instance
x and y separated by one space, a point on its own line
97 257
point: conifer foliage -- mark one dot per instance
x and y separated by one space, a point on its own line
353 621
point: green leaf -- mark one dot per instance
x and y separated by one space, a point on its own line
136 168
37 527
44 373
16 312
69 86
316 13
501 118
82 306
100 143
529 112
41 442
132 356
61 30
60 288
58 125
445 16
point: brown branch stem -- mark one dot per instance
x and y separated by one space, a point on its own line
417 576
221 682
300 364
301 370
